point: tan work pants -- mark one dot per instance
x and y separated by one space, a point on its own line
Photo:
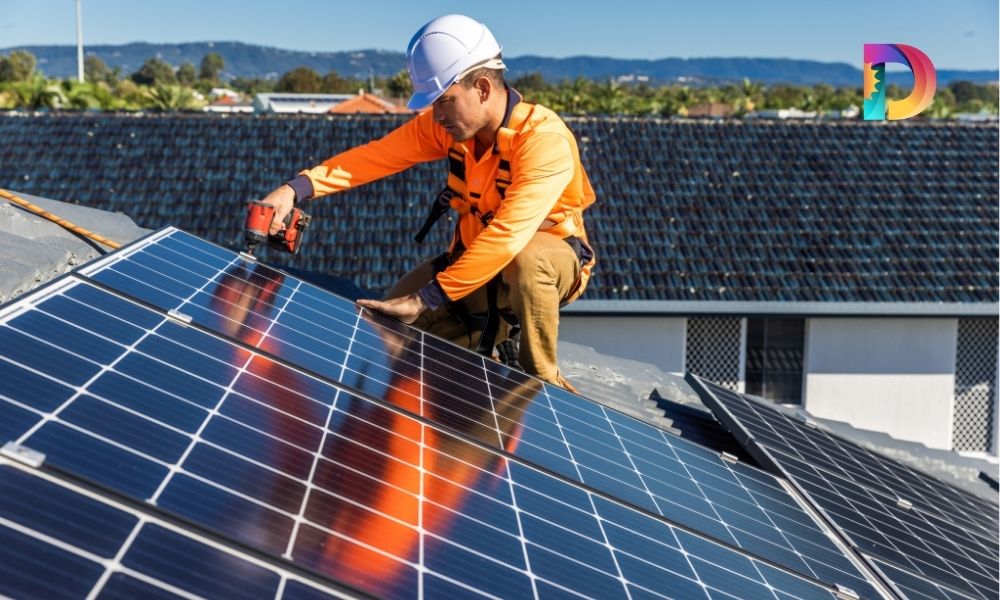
541 278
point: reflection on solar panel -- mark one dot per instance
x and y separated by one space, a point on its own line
480 399
929 539
318 444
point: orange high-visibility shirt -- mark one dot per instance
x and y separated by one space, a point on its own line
548 183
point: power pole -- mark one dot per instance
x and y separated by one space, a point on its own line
79 42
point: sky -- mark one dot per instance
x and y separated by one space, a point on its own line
955 34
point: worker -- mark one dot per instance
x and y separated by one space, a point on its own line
520 250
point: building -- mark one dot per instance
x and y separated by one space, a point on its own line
289 103
229 104
715 110
365 103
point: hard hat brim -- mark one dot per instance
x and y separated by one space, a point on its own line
422 101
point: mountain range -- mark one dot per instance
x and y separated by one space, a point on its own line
250 60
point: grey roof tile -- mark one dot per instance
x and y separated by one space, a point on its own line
687 211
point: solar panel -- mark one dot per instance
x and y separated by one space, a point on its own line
197 411
61 540
478 398
929 539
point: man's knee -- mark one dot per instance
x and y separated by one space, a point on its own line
547 260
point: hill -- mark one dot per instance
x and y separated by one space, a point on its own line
249 60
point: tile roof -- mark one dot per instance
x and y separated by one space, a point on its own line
367 103
687 210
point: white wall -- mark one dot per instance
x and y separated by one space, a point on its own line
891 375
655 340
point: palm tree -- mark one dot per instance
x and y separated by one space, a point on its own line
39 93
683 98
170 98
609 98
752 95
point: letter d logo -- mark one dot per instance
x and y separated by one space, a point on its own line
924 82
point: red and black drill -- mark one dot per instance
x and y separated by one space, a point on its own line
259 217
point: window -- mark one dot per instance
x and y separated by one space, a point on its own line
774 359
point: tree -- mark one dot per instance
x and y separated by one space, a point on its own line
95 71
170 97
186 74
300 80
251 86
333 83
943 105
87 95
530 84
19 65
154 71
752 95
399 85
38 93
609 98
211 67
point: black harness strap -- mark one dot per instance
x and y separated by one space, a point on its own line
487 323
439 206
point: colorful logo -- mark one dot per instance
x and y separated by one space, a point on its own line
877 106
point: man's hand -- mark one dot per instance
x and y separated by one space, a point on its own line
283 200
405 308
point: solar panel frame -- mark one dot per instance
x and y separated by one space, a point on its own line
908 537
582 461
36 304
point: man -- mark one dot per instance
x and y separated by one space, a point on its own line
515 179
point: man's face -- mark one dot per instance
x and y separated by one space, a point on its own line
460 110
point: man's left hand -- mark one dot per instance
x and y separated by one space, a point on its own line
405 308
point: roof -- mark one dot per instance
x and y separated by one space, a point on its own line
280 102
34 250
367 103
702 212
711 109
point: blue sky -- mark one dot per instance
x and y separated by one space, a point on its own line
956 34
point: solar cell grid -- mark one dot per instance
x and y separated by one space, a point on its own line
58 540
869 469
478 398
916 587
928 538
262 454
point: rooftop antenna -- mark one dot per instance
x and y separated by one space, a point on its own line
79 42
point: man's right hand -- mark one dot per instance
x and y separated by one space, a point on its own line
283 200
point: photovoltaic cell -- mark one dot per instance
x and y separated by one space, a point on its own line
929 539
58 540
302 470
478 398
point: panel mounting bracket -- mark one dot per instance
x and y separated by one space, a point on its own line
729 457
179 316
23 454
846 593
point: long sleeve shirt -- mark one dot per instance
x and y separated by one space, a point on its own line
548 186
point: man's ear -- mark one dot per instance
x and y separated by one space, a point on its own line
485 87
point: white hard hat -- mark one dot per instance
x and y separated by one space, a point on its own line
442 50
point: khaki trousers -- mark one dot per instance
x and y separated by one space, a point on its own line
541 278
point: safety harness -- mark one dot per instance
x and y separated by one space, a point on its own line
454 196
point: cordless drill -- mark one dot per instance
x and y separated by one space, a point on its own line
259 217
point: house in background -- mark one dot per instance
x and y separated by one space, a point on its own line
847 266
229 104
365 103
289 103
